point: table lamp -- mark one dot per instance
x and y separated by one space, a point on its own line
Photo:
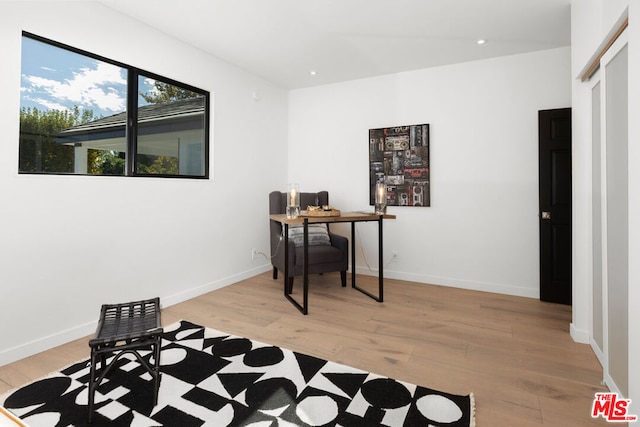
293 201
381 198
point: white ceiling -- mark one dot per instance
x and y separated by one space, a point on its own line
283 40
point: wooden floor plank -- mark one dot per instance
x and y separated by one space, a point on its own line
515 354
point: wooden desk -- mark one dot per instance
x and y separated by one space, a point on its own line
351 217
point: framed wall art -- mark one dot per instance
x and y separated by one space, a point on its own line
399 157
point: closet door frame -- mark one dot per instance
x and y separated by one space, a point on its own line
620 386
597 238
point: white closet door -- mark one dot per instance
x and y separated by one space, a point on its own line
615 170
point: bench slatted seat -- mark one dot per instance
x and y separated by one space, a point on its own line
126 328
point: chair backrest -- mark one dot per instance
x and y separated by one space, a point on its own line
278 201
278 205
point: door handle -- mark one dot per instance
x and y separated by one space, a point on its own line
546 215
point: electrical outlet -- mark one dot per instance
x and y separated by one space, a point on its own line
394 256
254 252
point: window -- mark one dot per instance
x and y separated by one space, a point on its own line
87 115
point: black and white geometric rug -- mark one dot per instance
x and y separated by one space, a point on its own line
210 378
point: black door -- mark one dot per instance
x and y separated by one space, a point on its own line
554 132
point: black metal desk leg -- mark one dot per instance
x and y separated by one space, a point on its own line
305 302
353 254
305 290
380 295
285 242
380 262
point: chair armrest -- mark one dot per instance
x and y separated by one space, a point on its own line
339 242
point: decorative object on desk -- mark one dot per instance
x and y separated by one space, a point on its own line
215 378
293 201
399 157
381 198
326 210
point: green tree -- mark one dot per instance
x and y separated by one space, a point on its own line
105 162
38 151
157 165
166 92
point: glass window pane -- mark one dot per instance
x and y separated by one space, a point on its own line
171 130
72 112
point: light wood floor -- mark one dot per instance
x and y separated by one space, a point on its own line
514 354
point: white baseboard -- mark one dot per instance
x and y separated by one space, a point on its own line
454 283
598 352
45 343
611 384
174 299
579 335
62 337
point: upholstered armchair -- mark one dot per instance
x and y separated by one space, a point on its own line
328 252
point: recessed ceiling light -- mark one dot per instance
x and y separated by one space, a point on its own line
312 72
480 41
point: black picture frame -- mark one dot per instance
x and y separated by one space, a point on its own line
399 157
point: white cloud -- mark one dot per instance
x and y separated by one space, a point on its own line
89 88
50 105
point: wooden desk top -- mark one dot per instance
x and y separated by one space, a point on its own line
344 217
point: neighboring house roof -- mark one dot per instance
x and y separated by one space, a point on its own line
184 114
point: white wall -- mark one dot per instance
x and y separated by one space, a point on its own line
591 21
71 243
481 231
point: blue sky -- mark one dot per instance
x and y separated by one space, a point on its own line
54 78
